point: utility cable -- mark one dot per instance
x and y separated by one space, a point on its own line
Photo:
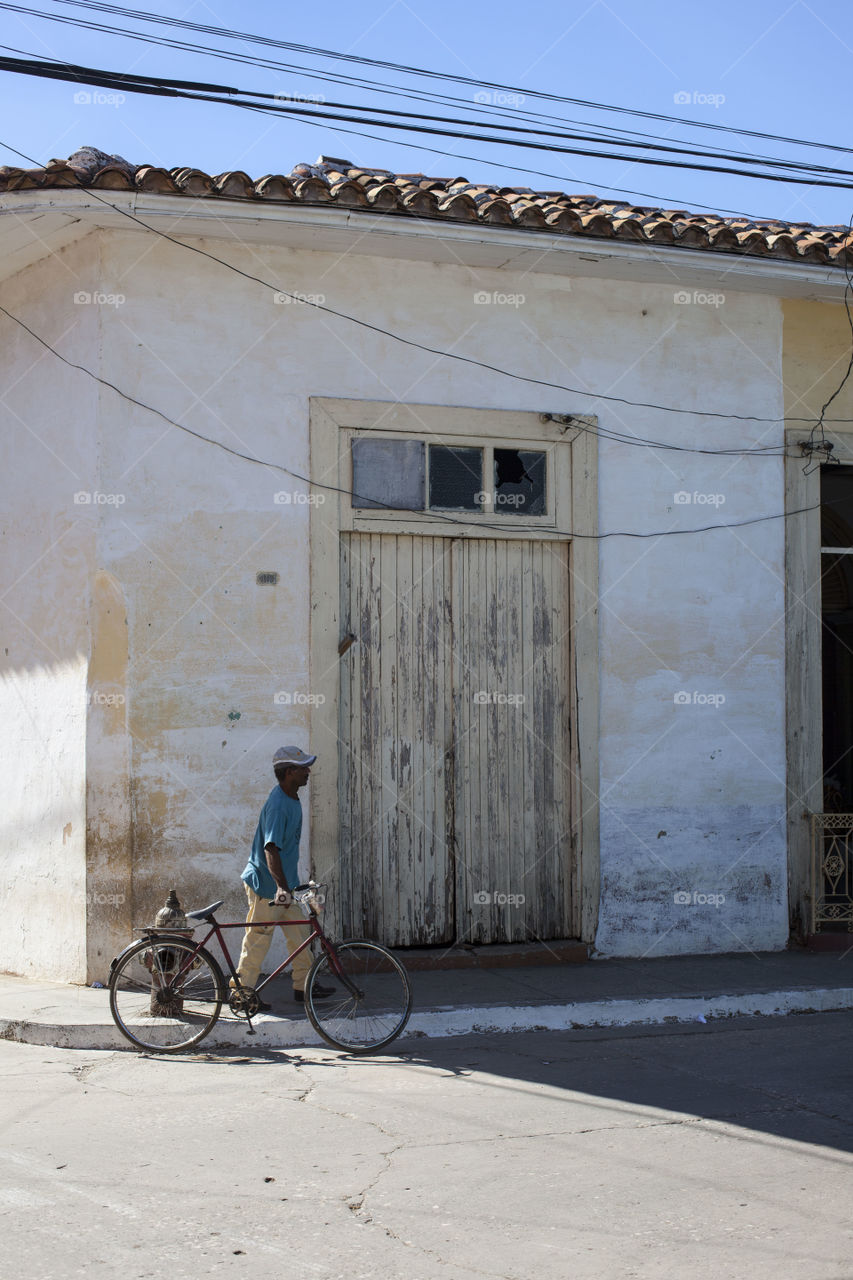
420 146
442 517
770 450
636 139
271 42
224 95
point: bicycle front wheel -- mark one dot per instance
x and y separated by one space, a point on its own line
164 995
372 997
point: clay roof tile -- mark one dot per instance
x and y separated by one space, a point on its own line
113 180
274 186
192 181
527 214
149 178
495 212
782 246
234 183
312 190
421 202
384 195
350 194
340 182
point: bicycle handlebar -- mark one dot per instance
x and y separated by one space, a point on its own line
304 891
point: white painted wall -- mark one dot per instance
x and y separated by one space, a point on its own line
208 649
693 791
48 443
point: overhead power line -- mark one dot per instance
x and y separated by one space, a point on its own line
593 396
373 86
317 52
509 129
416 95
443 517
226 95
619 135
421 146
412 93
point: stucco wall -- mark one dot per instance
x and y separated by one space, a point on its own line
692 796
701 614
49 443
816 353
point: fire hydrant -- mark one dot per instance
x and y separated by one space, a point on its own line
163 963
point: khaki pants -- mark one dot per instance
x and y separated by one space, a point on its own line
256 942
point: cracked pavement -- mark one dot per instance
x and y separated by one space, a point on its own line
675 1151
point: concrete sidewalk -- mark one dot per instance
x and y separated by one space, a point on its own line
601 993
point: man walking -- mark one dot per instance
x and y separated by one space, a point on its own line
272 870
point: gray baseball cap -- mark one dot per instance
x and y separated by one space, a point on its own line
292 755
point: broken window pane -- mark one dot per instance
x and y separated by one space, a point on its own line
455 478
519 482
388 473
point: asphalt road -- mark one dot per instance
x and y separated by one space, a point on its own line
711 1151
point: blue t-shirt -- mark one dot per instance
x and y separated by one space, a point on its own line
280 823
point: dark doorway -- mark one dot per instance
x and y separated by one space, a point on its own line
837 636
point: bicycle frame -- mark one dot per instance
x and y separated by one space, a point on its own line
215 931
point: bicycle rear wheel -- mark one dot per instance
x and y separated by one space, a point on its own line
372 997
164 995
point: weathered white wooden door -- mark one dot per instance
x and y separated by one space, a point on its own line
395 728
512 740
455 748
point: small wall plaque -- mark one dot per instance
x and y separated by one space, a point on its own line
266 578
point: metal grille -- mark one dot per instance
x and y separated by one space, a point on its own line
832 870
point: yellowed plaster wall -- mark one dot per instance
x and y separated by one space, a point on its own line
108 827
816 346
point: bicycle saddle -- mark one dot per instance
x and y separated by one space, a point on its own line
204 913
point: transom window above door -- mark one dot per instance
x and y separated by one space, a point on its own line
415 475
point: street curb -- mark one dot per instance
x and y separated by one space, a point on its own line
284 1033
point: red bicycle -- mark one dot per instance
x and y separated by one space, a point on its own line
167 991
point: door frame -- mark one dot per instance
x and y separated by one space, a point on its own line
803 660
573 438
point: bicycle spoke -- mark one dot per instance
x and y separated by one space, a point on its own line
374 1012
165 996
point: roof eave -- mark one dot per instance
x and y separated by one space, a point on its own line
34 223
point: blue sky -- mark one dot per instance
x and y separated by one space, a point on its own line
782 68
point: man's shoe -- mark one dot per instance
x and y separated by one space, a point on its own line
319 993
263 1007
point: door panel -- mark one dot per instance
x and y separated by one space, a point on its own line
512 746
455 739
397 881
